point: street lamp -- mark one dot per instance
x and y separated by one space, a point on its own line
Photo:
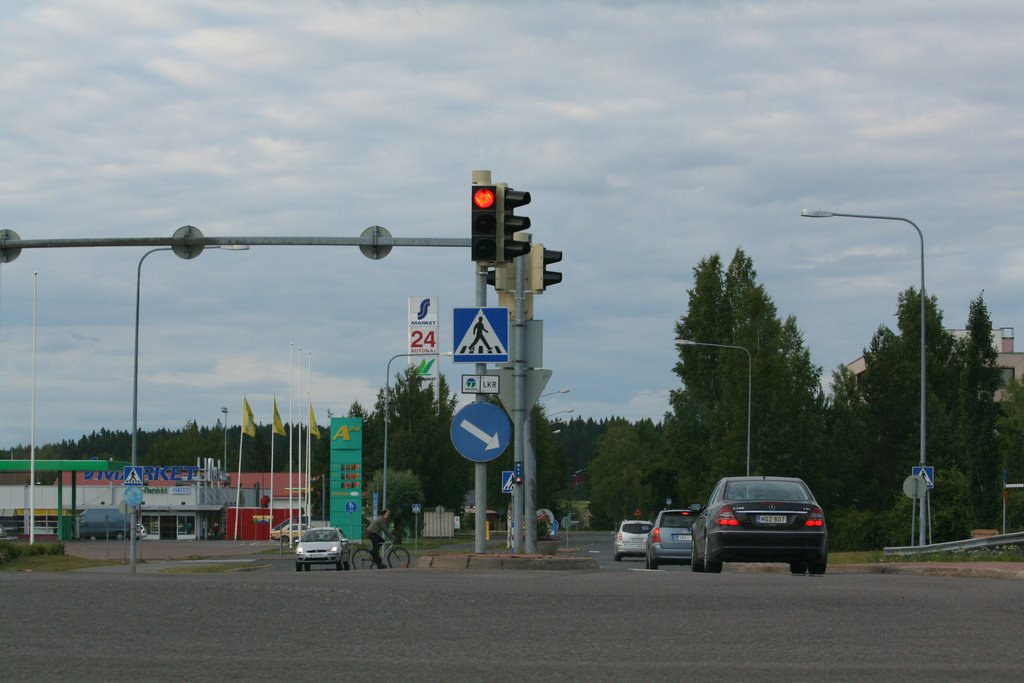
830 214
387 419
750 381
135 378
224 410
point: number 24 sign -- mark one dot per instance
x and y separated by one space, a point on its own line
422 341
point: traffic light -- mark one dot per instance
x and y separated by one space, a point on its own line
540 278
509 224
550 277
483 245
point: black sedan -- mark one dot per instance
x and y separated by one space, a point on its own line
761 519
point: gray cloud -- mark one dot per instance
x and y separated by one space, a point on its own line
650 135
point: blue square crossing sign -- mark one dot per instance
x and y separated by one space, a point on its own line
481 335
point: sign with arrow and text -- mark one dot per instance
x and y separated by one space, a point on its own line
481 431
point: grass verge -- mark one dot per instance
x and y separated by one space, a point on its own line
52 563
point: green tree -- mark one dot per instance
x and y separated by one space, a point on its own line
706 431
419 439
617 485
978 411
404 489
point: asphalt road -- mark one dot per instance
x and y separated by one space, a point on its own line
427 625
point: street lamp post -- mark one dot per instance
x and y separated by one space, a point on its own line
135 383
224 409
830 214
387 419
750 382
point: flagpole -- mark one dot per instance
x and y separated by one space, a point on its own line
291 391
299 441
238 484
309 433
273 433
32 449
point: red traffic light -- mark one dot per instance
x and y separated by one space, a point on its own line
484 198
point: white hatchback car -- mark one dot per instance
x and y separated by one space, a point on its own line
631 538
323 545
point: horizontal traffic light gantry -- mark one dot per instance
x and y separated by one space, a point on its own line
484 214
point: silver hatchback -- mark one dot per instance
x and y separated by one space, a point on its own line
631 538
671 539
323 545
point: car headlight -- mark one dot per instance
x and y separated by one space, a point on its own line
334 548
299 550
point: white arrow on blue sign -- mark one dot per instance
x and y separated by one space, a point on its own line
481 431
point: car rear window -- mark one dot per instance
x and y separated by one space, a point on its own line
767 490
636 528
676 520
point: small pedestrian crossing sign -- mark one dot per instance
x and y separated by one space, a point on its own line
481 335
133 476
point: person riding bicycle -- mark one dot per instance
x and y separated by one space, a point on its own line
377 531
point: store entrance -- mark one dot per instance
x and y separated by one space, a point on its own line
168 527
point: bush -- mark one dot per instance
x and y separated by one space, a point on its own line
866 530
10 550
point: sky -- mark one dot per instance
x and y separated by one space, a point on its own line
650 135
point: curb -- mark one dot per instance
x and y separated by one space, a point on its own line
505 562
909 568
931 570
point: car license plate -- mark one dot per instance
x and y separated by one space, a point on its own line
771 519
681 537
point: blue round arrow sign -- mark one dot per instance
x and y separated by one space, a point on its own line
481 431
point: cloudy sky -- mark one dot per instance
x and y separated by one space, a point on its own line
650 135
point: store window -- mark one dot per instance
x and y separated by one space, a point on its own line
186 526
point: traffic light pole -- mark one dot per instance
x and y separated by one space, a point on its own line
480 528
523 526
529 496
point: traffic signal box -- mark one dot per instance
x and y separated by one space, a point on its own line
539 277
509 224
484 215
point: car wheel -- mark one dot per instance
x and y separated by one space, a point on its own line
120 536
652 562
309 567
696 563
618 557
798 567
298 566
338 566
710 566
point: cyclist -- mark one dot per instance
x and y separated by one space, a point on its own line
376 532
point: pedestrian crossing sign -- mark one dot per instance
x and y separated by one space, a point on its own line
133 476
481 335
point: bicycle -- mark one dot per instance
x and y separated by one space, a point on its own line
396 556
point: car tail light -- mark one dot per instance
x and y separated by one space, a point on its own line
817 518
620 535
726 517
656 535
